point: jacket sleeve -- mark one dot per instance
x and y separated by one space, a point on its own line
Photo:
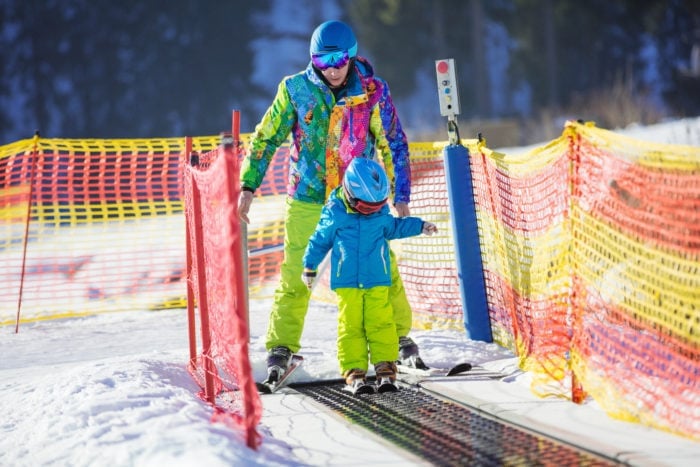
403 227
321 240
392 145
270 134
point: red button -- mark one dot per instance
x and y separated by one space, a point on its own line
442 67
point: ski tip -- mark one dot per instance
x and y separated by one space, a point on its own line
419 364
297 358
384 388
461 368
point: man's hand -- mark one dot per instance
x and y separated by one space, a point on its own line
429 228
402 209
245 199
308 276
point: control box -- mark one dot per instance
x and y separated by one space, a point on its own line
447 87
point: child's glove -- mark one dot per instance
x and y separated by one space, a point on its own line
308 276
429 228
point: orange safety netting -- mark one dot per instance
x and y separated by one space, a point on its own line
636 266
221 365
591 251
91 226
590 247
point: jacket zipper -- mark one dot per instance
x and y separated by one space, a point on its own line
384 260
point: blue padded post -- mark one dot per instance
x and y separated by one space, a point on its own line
460 190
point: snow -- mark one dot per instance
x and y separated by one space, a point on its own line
112 389
684 131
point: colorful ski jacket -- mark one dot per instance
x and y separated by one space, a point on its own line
327 134
359 243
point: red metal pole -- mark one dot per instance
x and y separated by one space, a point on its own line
191 323
240 263
236 128
242 230
26 227
578 394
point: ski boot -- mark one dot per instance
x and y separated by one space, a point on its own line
408 354
386 377
278 359
356 381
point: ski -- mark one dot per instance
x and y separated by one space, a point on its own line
269 387
426 371
465 370
359 387
386 385
414 361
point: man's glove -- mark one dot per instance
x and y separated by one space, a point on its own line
308 276
429 228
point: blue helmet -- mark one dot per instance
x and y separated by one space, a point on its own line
365 185
333 36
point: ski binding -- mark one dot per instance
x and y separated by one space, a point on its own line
270 386
386 385
359 387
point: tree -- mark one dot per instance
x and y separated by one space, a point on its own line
124 69
405 37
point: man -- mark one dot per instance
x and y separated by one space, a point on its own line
336 110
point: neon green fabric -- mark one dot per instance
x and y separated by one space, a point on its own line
366 328
292 296
403 315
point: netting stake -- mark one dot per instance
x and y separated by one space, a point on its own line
26 227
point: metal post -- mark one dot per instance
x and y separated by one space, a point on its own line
237 151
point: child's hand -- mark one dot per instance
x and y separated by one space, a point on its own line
308 276
429 228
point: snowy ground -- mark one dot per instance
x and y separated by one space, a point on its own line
112 390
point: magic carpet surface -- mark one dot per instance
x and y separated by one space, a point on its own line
447 433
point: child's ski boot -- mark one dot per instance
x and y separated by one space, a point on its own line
356 382
386 377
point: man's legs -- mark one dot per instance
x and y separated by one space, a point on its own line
403 317
292 296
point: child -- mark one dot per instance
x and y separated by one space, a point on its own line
357 225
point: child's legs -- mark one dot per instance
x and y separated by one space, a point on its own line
352 343
379 326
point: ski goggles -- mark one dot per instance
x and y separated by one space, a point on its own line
365 207
331 60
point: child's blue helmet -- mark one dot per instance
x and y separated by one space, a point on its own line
366 185
333 36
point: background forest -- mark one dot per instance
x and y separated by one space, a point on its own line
131 69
